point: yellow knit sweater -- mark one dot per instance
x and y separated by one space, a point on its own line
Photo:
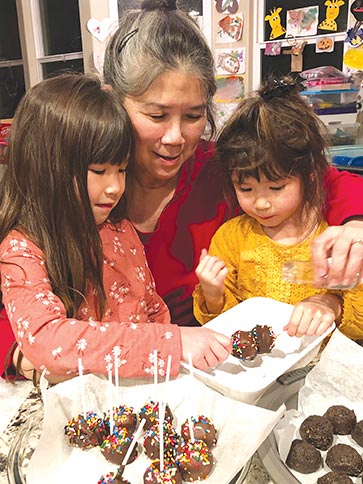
255 263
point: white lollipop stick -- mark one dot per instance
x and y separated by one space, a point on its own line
168 369
156 376
80 372
116 355
110 397
161 432
133 442
190 420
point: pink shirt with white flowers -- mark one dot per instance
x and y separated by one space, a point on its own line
136 321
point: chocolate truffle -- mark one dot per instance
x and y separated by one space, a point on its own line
244 346
203 430
123 417
303 457
86 431
318 431
334 478
152 441
195 461
115 446
150 412
342 418
169 475
343 459
264 338
113 478
357 433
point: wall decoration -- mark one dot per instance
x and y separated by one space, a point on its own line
302 21
332 12
325 44
230 6
273 48
353 58
296 52
274 20
231 61
231 28
100 29
229 89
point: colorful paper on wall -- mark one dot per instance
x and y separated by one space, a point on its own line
302 21
231 61
324 44
230 89
229 6
331 14
274 19
231 28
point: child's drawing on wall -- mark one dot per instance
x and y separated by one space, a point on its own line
302 21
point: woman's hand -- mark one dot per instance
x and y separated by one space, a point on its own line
314 315
211 273
343 246
207 348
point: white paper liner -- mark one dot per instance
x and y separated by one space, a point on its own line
335 380
241 428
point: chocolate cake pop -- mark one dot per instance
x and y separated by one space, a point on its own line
342 418
344 459
85 431
152 441
243 345
114 447
113 478
123 417
334 478
318 431
195 461
303 457
169 475
150 412
264 338
357 433
203 430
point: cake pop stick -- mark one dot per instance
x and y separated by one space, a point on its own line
156 375
161 436
133 442
116 354
110 397
190 419
80 372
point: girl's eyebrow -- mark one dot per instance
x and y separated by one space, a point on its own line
199 107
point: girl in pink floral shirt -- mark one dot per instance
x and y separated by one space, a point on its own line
74 278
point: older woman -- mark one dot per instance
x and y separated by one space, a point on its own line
163 70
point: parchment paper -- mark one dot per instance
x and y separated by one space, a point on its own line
241 428
335 380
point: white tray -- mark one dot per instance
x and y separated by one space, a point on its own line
246 381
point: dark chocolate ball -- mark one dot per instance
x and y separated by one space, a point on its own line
304 457
318 431
344 459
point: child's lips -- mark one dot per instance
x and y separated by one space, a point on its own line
105 205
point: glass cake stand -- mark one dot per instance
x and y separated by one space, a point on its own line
22 448
26 441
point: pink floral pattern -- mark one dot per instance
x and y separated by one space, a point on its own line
51 340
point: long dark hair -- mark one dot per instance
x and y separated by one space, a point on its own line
61 126
275 133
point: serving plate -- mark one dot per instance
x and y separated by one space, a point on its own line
247 381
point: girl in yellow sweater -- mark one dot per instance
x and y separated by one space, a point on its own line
272 153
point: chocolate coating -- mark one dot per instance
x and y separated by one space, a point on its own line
169 475
152 441
318 431
150 412
195 461
334 478
115 446
112 478
203 430
357 433
85 431
243 345
342 418
123 417
303 457
264 338
344 459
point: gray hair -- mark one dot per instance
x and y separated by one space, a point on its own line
149 43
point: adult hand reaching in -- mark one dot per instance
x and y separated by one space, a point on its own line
343 246
207 348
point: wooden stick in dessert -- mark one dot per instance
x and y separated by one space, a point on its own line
133 442
190 419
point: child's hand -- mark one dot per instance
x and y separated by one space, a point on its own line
207 347
314 315
211 273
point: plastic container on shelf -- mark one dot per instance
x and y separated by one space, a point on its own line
347 155
342 133
332 101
